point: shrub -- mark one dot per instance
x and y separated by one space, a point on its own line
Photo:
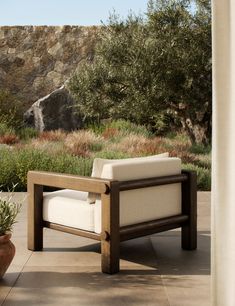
114 130
200 149
5 129
96 128
203 176
112 155
203 161
185 156
53 147
16 164
9 139
75 154
66 163
11 109
8 176
27 133
127 127
38 160
179 144
28 159
80 143
137 145
57 135
110 133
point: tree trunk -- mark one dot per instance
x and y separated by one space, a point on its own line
199 133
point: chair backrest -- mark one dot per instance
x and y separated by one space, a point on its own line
146 203
143 204
99 163
139 169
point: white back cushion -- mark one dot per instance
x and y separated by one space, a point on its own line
139 169
99 163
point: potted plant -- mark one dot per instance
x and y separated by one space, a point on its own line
8 213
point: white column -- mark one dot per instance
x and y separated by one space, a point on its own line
223 156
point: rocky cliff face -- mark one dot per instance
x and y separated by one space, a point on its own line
35 60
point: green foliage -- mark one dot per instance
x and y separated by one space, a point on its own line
126 127
200 149
5 129
81 143
16 164
8 213
119 128
75 153
11 112
65 163
112 155
153 72
203 176
27 133
97 129
204 161
162 122
24 133
8 176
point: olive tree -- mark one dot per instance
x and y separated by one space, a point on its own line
149 70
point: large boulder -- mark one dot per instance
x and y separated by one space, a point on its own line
52 112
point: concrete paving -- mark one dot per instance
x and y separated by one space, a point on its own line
154 269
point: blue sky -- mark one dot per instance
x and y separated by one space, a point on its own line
59 12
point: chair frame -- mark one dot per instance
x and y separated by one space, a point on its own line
112 234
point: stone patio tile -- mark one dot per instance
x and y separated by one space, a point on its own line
187 290
86 286
8 281
172 260
204 219
85 253
204 196
22 253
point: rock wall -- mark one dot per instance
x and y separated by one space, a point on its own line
35 60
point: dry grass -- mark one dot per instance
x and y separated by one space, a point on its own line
185 156
112 143
137 145
57 135
9 139
53 147
83 142
110 133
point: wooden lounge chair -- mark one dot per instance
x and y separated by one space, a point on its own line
130 198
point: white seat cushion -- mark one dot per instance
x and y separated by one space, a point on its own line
69 208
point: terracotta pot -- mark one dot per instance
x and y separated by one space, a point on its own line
7 253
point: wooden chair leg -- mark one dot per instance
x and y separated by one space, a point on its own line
109 256
189 207
110 237
35 229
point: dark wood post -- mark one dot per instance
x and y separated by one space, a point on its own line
189 207
110 235
35 228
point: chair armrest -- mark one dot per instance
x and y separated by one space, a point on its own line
67 181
